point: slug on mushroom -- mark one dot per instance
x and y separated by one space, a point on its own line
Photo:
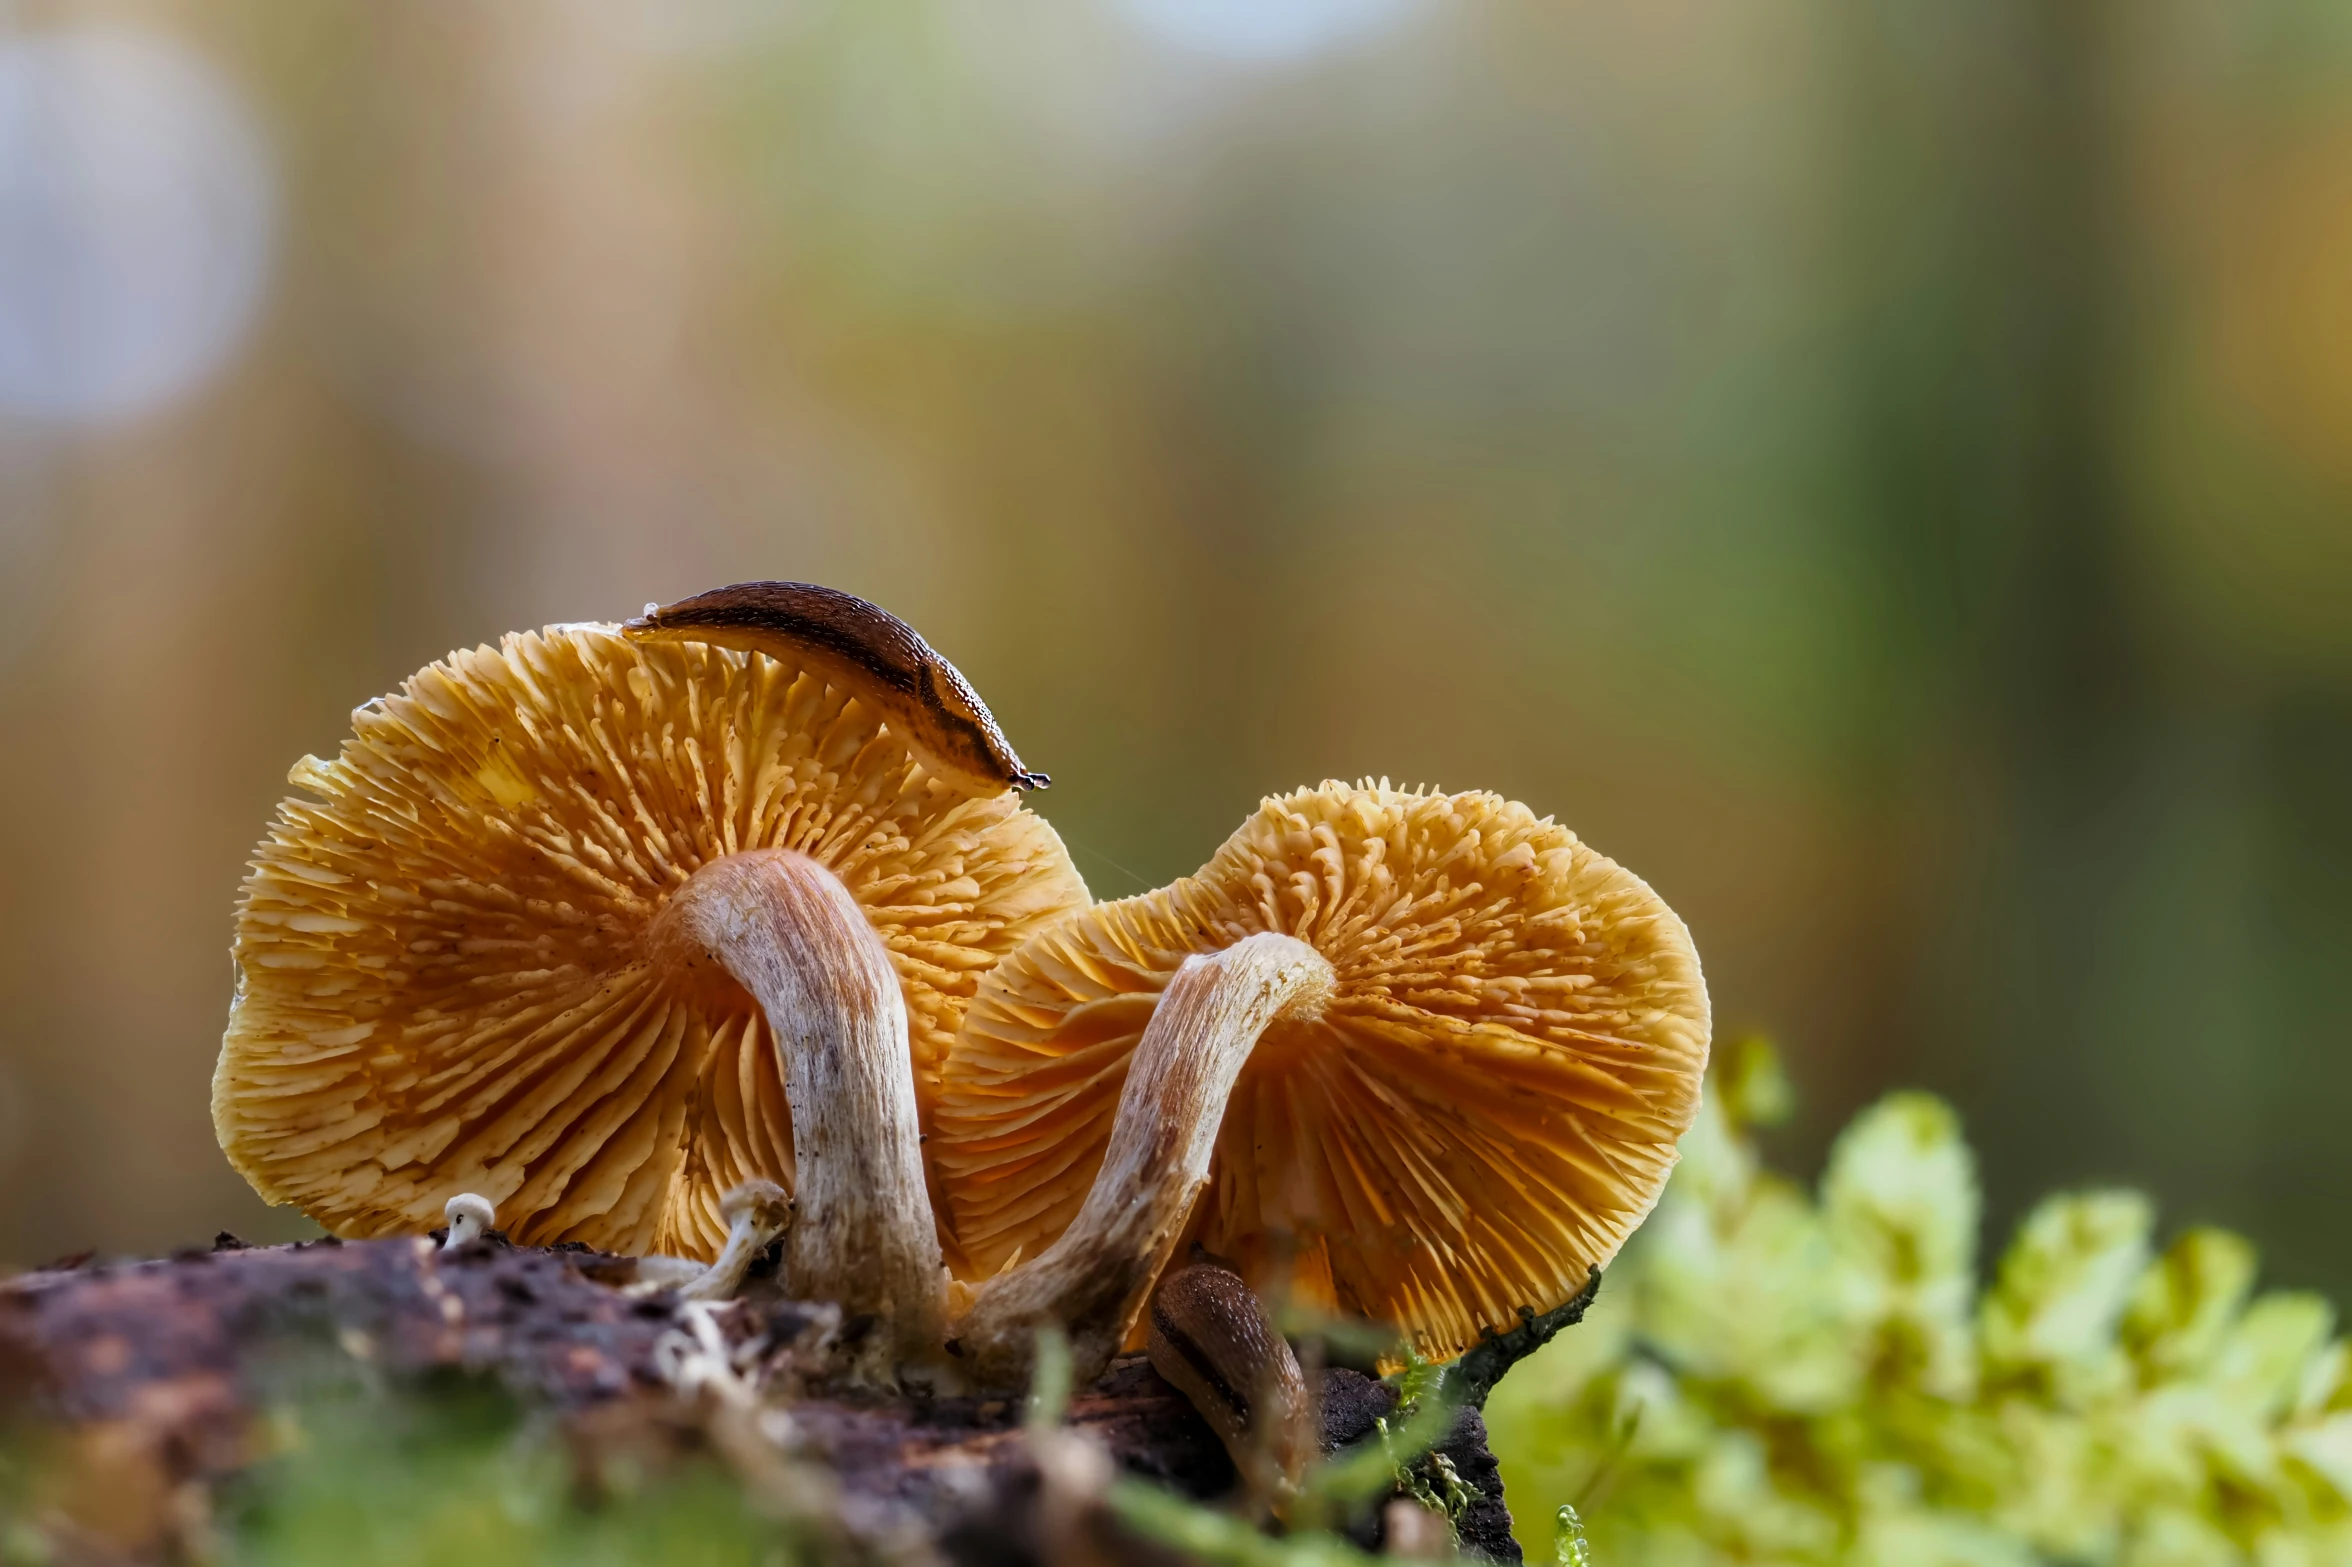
925 699
600 928
1422 1058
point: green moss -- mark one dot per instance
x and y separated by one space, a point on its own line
459 1478
1777 1377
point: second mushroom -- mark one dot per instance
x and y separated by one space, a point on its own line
1419 1057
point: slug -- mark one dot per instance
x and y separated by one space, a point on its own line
1210 1338
922 697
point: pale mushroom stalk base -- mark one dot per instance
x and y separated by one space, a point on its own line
863 1236
1094 1279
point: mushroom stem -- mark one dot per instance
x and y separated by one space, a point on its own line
1094 1279
863 1236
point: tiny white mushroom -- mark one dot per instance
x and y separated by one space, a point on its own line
470 1218
756 1213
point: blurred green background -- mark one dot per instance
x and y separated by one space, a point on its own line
1880 468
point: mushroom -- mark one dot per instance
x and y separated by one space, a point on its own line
756 1213
470 1218
600 929
1415 1056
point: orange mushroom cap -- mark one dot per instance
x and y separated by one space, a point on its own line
450 972
1485 1107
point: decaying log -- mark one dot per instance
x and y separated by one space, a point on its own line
156 1370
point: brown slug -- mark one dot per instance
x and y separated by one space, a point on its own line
1211 1339
922 697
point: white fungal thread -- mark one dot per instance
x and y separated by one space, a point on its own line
700 1357
657 1273
443 1298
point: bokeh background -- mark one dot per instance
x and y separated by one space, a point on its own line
1881 468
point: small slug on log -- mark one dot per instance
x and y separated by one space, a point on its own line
923 698
1211 1339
